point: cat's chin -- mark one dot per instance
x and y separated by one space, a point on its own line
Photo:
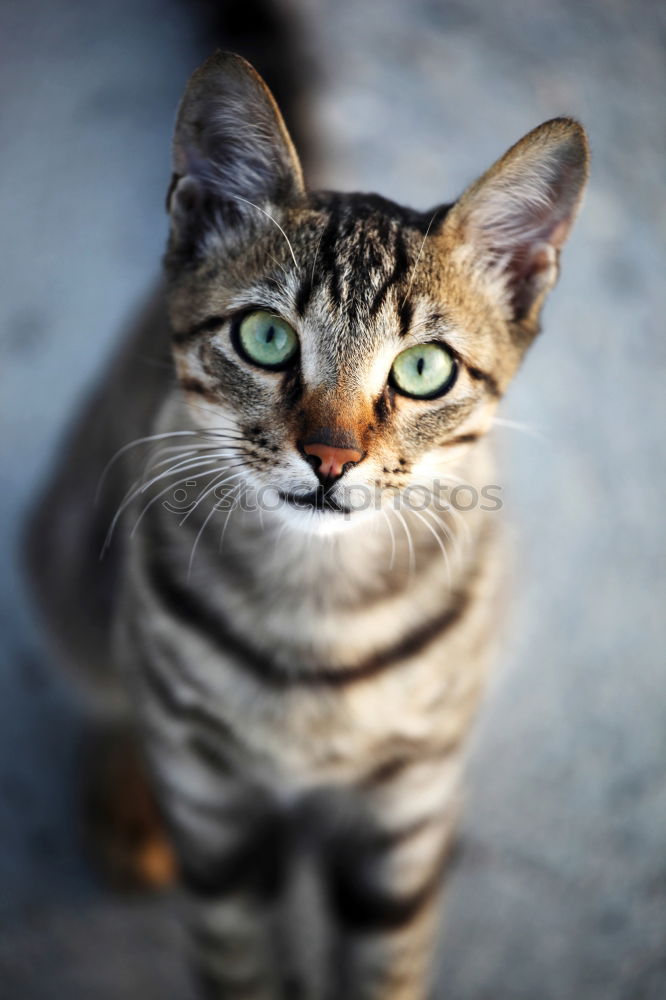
321 523
318 513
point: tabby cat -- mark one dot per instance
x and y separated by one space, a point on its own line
301 648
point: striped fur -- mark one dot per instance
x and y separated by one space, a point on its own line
305 679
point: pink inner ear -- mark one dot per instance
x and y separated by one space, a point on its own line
530 256
528 266
528 241
560 233
530 229
540 260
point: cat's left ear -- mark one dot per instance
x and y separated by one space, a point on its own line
512 223
231 148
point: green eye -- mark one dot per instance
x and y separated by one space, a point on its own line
266 340
425 371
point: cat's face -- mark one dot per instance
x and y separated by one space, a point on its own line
348 347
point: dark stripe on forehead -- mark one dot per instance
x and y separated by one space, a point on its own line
304 293
405 316
358 269
400 265
327 265
310 278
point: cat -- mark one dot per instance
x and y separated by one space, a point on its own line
300 648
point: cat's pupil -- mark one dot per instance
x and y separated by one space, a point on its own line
420 365
270 333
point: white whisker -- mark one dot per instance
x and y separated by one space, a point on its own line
515 425
280 265
459 518
123 507
205 521
392 534
408 535
418 257
187 463
134 491
314 262
448 531
223 470
235 492
133 444
439 541
269 216
152 463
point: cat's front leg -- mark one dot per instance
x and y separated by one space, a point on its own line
385 878
229 840
231 899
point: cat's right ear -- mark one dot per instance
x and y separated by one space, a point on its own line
232 154
513 222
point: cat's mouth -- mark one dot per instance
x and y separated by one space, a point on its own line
318 499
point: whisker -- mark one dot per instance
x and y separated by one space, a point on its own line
171 486
151 463
280 265
123 507
459 518
310 531
203 496
198 447
203 451
202 407
418 258
314 262
235 492
408 535
269 216
181 465
210 513
448 531
135 489
439 541
209 409
133 444
516 425
283 527
392 534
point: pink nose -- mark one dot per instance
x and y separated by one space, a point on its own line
332 461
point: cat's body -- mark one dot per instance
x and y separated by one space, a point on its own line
304 675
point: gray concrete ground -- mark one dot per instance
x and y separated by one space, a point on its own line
560 889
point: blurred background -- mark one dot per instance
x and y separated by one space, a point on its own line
559 888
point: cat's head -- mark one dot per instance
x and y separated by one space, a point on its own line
342 342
